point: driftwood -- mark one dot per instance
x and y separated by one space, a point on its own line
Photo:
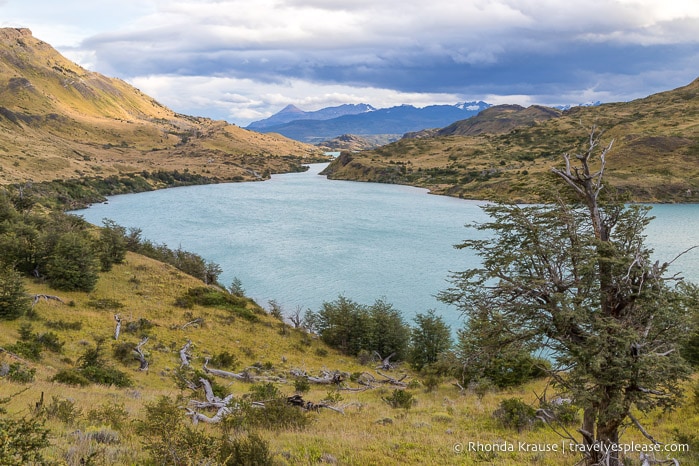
243 376
46 297
141 357
326 378
297 400
184 355
117 330
385 362
192 322
223 407
370 381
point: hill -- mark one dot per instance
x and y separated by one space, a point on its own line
58 120
386 121
507 151
99 424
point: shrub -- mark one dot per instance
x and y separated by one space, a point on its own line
400 399
113 415
264 391
302 385
224 360
513 413
169 440
62 409
70 377
73 266
14 301
277 414
251 450
20 373
124 352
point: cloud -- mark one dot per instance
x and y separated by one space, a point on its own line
273 50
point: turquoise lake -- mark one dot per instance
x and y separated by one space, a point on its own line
301 239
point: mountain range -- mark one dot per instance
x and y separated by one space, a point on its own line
363 120
60 121
507 151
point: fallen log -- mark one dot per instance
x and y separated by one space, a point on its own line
243 376
46 297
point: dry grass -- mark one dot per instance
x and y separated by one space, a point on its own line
655 156
370 431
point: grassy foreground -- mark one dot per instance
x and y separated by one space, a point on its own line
437 429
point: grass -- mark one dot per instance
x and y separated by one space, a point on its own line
654 158
370 431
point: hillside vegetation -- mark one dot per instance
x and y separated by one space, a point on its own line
98 423
507 152
60 121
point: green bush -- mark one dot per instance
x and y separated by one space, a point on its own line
20 373
14 301
113 415
400 399
62 409
71 377
251 450
513 413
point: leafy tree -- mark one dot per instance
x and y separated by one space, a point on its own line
352 327
73 265
390 332
14 301
345 325
111 244
21 440
574 277
484 350
429 339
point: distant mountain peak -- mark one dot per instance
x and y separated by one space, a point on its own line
291 108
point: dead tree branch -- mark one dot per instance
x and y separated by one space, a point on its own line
117 330
46 297
184 354
141 357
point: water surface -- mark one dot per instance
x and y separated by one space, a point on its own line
301 239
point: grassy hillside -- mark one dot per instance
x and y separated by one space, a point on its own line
369 431
508 154
60 121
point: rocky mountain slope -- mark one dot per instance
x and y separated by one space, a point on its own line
386 121
507 151
58 120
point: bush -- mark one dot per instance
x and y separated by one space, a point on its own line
73 265
14 301
513 413
20 373
169 440
277 414
113 415
62 409
251 450
224 360
400 399
70 377
264 391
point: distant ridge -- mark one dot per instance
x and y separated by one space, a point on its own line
60 121
506 152
370 122
293 113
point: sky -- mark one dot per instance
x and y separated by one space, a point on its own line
243 61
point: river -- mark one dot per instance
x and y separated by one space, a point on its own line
302 239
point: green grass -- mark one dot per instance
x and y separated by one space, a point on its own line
369 432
